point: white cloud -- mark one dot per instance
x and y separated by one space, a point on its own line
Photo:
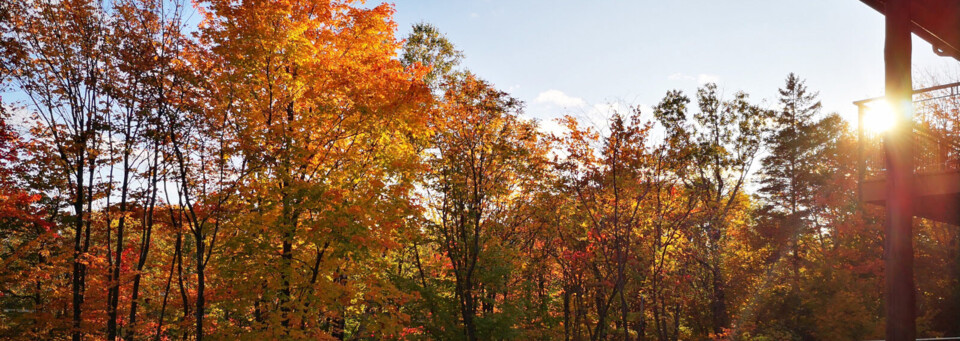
680 77
558 98
704 78
474 15
551 126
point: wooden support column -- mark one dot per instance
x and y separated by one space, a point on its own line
861 156
899 292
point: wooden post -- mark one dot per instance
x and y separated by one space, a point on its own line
861 156
899 293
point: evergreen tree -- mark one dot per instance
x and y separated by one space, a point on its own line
788 177
431 48
791 149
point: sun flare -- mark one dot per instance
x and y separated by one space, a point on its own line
879 117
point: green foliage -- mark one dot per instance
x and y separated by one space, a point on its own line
428 46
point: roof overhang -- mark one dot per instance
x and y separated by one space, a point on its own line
936 21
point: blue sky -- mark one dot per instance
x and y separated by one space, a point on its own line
573 56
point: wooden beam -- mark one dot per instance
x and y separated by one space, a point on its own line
899 292
935 21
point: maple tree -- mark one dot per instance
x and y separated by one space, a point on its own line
324 120
56 58
27 232
609 187
485 165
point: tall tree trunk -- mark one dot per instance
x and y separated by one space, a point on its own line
77 280
642 323
719 302
468 309
201 277
286 258
144 242
180 285
340 320
166 291
113 294
566 313
624 308
287 225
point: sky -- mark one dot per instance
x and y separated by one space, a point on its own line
574 57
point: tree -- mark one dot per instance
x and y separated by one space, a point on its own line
725 139
323 115
54 53
28 239
608 180
789 178
428 46
485 163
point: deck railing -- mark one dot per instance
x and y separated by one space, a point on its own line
936 131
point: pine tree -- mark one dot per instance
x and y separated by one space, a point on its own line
790 148
787 175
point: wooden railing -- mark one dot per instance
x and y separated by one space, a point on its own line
936 131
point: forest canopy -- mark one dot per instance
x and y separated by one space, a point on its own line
297 170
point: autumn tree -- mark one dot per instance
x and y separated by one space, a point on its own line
29 243
672 210
726 137
143 49
608 180
55 55
323 114
485 162
149 55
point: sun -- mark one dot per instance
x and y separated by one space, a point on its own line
879 117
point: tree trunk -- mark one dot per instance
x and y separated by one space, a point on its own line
201 276
113 294
719 302
166 293
286 259
144 243
566 313
468 310
77 281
